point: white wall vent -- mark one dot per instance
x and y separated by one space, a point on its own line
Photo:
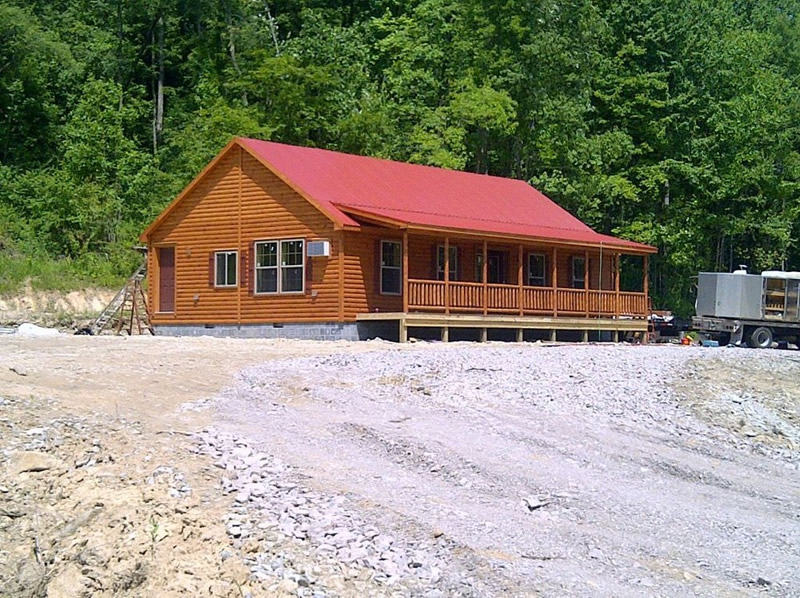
318 248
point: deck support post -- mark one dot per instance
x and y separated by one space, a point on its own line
520 270
554 280
484 335
585 336
403 330
520 335
553 335
616 336
447 275
445 334
405 270
484 276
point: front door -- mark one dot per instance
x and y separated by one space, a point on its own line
166 279
497 266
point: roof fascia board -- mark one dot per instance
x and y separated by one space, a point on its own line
384 221
338 222
186 190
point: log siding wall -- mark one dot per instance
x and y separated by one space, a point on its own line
237 203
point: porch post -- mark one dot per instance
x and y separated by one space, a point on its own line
341 275
405 271
554 281
520 271
617 264
485 276
586 279
447 275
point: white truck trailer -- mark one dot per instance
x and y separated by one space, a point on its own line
756 309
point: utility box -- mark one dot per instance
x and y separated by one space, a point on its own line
723 295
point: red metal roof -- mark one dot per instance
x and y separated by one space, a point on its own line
425 196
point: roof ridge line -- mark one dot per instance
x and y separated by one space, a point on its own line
393 161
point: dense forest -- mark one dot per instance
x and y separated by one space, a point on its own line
672 122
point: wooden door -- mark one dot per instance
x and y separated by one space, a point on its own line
166 279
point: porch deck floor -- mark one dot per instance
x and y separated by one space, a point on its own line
482 322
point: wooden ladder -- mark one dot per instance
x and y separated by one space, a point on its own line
129 307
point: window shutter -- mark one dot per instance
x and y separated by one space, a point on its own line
211 257
242 273
478 251
251 268
546 266
377 268
526 267
309 273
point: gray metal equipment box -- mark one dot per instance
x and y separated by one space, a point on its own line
723 295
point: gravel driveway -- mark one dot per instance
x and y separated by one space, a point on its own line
523 469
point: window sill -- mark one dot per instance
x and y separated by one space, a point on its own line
277 294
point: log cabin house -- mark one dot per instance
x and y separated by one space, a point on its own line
273 240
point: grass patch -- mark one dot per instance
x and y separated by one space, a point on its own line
49 274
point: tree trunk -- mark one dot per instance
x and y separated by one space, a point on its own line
158 106
273 30
119 51
232 47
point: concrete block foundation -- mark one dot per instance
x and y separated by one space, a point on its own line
325 331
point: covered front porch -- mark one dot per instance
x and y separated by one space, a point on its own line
494 283
496 277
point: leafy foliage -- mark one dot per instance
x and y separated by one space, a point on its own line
665 121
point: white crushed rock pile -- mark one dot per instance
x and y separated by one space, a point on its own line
316 544
566 470
29 330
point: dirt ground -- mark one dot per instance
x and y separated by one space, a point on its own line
221 467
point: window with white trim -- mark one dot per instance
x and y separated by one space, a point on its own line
280 266
225 264
391 268
453 262
292 266
578 272
537 269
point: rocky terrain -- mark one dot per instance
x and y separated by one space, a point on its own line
275 468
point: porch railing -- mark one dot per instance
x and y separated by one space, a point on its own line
475 297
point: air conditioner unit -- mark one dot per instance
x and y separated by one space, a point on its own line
318 248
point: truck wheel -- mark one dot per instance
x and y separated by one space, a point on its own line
760 338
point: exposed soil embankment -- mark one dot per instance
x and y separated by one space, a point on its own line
53 308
